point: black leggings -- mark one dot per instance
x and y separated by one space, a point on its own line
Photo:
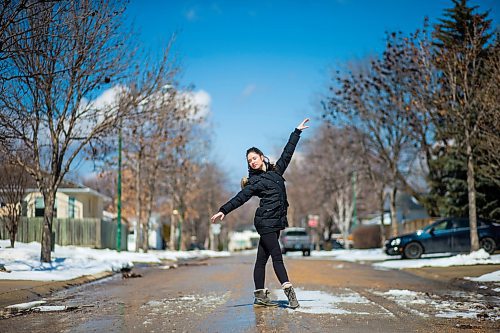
269 246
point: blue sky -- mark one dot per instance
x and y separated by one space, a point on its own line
263 64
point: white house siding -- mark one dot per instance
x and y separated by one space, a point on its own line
92 204
62 204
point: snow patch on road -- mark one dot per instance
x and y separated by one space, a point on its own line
458 304
345 302
25 306
195 305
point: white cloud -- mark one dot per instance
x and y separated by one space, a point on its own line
95 111
108 99
202 101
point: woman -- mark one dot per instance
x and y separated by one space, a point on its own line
266 181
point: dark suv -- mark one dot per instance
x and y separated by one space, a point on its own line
445 235
295 239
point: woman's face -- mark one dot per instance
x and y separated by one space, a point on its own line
255 160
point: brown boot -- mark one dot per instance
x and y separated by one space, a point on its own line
262 298
290 294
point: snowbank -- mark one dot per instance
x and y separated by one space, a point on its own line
346 255
490 277
357 255
480 257
383 261
69 262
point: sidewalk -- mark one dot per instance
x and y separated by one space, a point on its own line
22 291
456 274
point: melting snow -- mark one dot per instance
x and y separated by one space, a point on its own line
480 257
458 304
490 277
69 262
346 301
25 306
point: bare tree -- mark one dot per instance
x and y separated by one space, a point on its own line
321 181
370 103
13 182
455 95
341 208
167 133
466 82
48 104
207 194
489 128
157 152
13 13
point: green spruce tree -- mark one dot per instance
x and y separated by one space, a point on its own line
448 178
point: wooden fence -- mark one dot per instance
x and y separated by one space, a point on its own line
88 232
414 225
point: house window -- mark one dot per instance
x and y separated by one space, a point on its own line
71 207
39 207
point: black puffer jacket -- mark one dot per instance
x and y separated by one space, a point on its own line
269 186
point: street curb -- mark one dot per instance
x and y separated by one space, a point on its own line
29 294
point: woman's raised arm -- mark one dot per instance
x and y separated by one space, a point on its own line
286 155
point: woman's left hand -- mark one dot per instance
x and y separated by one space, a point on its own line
302 125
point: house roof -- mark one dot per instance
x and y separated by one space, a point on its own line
83 189
74 190
65 187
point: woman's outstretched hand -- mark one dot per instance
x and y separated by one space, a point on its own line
216 216
302 125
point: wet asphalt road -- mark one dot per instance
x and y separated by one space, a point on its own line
216 296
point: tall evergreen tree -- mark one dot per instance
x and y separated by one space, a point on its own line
448 181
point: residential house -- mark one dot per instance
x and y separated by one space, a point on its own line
72 201
79 217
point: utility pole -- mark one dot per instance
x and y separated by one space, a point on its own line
354 212
119 204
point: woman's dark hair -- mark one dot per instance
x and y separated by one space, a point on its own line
259 152
255 150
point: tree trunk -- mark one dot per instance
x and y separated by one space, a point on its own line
171 244
11 226
49 199
382 223
13 238
209 241
145 229
212 239
138 208
394 220
184 233
145 235
471 189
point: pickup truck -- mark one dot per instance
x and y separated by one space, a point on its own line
295 239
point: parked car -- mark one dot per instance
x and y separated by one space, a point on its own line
295 239
445 235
